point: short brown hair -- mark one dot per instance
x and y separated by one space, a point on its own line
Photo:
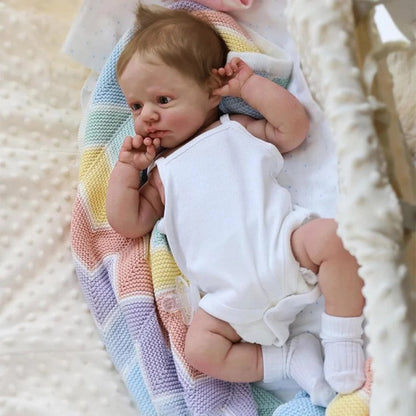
182 41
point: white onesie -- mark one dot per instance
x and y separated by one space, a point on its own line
228 223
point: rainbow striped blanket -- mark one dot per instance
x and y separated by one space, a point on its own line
126 282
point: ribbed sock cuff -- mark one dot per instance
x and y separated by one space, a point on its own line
336 328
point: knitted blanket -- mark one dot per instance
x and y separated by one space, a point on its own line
130 284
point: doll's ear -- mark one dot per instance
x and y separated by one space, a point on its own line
214 82
215 100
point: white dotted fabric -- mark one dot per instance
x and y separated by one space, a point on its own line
97 28
52 361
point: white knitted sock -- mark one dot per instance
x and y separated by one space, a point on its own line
305 366
300 359
344 355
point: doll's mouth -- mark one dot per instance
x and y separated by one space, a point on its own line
156 134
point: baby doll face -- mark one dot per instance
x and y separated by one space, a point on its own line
164 103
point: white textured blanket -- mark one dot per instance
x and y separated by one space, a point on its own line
52 361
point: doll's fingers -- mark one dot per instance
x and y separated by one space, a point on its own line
228 69
137 141
151 146
127 143
233 64
220 71
236 62
147 141
231 67
150 153
156 142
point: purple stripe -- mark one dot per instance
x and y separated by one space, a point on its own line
157 363
188 5
97 289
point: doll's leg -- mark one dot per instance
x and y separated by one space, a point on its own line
213 347
316 246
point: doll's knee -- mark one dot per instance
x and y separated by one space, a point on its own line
190 349
333 244
198 352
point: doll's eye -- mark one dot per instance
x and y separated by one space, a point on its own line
164 100
135 107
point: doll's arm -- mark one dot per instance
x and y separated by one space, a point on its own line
285 122
132 210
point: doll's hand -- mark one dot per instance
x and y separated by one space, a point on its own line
236 73
138 152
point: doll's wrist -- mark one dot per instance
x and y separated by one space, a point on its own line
249 87
129 167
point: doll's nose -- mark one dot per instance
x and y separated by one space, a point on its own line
149 113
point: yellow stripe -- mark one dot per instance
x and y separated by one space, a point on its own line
94 175
164 269
348 404
236 42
